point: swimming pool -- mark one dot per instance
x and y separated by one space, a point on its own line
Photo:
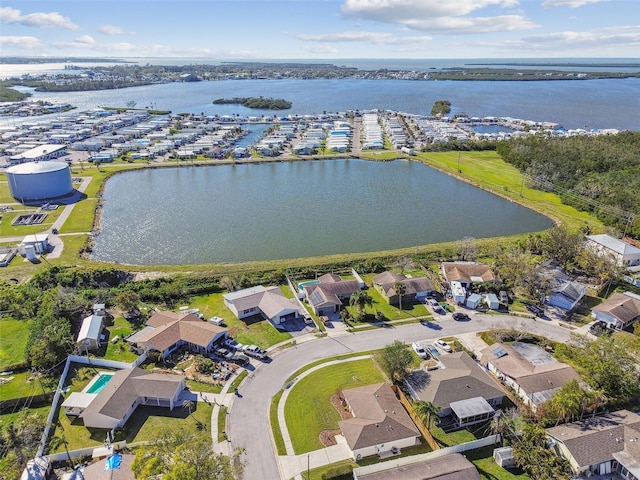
98 382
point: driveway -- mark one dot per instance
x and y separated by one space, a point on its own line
249 416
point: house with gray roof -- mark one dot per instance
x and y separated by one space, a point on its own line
416 288
601 445
269 302
127 389
379 424
166 331
328 295
532 373
619 311
625 254
462 389
445 467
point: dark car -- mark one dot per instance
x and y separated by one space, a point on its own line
240 359
599 327
537 311
461 317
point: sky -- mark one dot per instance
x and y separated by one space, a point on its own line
321 29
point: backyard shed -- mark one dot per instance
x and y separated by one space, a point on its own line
458 292
492 301
89 335
473 301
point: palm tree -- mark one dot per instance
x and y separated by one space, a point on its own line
189 404
360 299
425 411
400 289
60 440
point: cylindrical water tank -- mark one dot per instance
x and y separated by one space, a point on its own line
34 181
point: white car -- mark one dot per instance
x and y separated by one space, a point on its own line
443 345
254 351
419 349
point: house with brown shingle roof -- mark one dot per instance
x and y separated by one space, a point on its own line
601 445
330 293
530 371
619 311
269 302
416 288
468 273
379 423
461 389
128 389
167 331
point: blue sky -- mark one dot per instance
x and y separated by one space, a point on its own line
317 29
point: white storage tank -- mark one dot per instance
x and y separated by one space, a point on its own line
34 181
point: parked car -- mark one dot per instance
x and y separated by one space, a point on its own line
420 351
461 317
240 359
433 351
436 306
443 345
599 327
224 353
255 351
232 344
217 321
537 311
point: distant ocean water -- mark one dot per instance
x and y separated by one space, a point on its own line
590 104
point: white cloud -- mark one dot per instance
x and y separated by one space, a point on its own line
26 43
370 37
582 39
112 30
472 25
568 3
86 39
439 15
41 20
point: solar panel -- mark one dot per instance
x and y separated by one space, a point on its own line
499 352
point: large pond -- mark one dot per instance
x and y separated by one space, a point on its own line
239 213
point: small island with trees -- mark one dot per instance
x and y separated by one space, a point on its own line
441 108
261 103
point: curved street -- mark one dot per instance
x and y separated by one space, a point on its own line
248 422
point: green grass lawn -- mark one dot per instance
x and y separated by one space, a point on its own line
14 334
308 410
482 458
24 385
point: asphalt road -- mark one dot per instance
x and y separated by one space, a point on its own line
248 422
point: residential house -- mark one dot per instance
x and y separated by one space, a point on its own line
462 390
625 254
269 302
415 288
129 388
601 445
165 332
444 467
468 273
107 469
328 295
619 311
565 293
89 334
530 371
379 423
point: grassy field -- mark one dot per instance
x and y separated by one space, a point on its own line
23 385
308 410
119 350
14 334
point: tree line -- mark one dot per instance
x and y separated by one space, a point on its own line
598 174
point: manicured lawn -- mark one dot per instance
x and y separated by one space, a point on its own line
482 458
14 334
196 386
119 350
309 411
453 438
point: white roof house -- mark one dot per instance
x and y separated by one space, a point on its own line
624 253
89 334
